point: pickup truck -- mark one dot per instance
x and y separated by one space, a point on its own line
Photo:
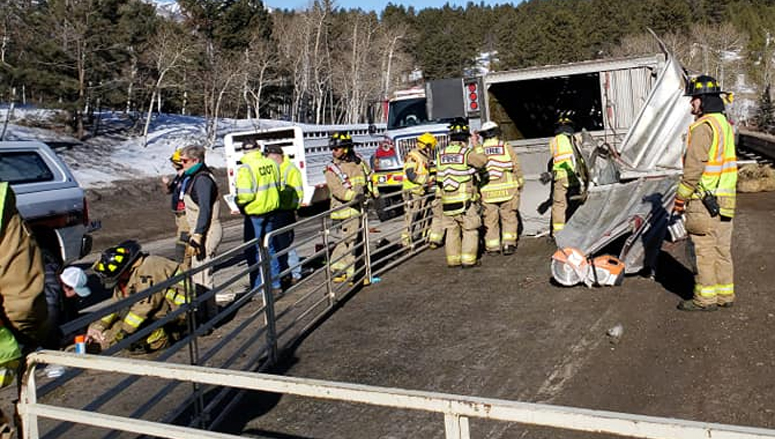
48 197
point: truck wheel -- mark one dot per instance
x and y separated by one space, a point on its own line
382 207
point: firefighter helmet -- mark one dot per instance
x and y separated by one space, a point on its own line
175 158
115 260
340 140
426 140
564 120
459 128
489 129
703 85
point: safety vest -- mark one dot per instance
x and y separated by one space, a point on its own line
720 174
455 176
292 188
258 184
9 347
563 159
502 184
417 161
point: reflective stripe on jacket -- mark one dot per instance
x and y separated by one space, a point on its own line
563 159
504 177
258 184
416 172
345 179
291 186
455 175
719 176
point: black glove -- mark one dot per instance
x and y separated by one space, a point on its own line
196 242
359 198
546 177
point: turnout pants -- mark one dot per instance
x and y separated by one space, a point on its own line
501 223
462 230
436 235
414 215
562 206
343 256
180 245
714 282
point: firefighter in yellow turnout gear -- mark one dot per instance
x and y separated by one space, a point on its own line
133 271
566 182
500 192
418 182
348 178
457 164
707 195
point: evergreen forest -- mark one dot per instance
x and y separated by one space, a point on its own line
325 64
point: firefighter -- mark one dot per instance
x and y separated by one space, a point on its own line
707 193
457 164
417 183
258 197
177 188
500 192
200 197
348 178
23 324
566 182
131 271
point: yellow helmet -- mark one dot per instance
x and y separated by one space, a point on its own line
426 140
175 157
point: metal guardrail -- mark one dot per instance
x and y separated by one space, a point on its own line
456 409
257 342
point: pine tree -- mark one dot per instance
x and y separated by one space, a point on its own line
765 117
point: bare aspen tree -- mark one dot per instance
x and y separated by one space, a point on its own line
293 37
169 50
259 58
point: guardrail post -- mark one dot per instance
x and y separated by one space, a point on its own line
456 426
189 288
366 245
28 397
329 288
269 314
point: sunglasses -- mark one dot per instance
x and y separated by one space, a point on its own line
185 160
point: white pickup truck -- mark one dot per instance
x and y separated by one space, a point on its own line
48 197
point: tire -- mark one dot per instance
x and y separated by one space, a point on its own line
382 207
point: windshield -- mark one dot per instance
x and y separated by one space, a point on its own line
407 113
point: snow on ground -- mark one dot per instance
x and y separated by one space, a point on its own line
116 153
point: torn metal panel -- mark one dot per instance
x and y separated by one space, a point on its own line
656 140
638 208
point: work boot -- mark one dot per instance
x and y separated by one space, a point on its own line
726 304
493 252
434 245
509 249
690 305
339 278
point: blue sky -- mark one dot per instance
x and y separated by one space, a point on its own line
378 4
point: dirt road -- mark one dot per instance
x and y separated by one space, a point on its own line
504 331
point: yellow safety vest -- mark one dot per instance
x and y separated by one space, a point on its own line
455 176
292 188
720 174
417 161
258 184
502 183
563 159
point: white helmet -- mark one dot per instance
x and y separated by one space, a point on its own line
489 125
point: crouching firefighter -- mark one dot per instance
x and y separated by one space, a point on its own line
132 271
457 164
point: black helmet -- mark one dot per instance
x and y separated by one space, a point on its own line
459 128
340 140
703 85
115 260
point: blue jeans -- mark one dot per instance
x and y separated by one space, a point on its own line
290 259
259 226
